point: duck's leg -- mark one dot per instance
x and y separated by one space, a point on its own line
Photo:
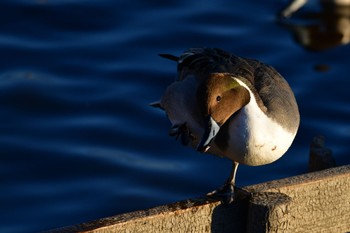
227 192
177 129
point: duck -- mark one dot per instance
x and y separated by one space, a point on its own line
231 107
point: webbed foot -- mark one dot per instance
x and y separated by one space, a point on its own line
182 132
226 194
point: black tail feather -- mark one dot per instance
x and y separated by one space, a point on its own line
169 56
156 104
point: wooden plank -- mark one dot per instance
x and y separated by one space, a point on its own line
194 215
319 201
314 202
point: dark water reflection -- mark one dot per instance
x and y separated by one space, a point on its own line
78 140
322 29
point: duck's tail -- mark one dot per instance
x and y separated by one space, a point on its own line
169 56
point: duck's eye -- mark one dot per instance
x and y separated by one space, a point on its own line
218 98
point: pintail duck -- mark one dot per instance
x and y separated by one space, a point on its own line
231 107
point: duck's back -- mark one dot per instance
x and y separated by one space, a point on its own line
270 89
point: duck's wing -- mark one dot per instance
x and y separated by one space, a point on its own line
275 94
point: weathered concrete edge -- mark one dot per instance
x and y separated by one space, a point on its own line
186 205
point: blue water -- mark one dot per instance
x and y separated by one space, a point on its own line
78 140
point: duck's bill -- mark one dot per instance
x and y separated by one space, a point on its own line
211 130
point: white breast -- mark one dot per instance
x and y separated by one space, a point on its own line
254 138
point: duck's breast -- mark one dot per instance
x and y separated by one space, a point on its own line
254 139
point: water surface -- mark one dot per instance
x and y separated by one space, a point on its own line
78 140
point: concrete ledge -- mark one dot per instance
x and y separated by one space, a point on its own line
314 202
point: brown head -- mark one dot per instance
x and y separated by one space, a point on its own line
219 96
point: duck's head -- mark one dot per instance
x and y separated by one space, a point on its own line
219 96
